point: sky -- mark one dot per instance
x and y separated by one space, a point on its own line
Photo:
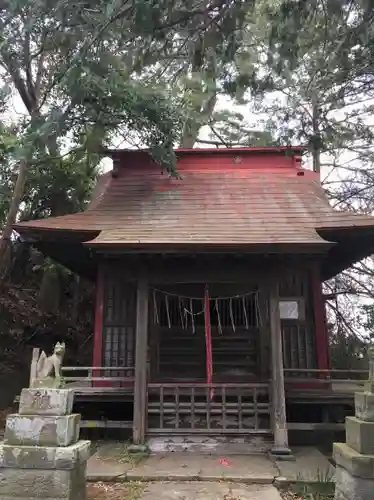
17 110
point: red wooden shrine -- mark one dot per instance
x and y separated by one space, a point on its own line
250 227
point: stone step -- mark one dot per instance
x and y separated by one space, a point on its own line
210 444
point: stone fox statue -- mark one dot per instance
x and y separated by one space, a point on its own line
51 365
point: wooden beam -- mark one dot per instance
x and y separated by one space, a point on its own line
99 322
319 426
140 390
280 446
214 269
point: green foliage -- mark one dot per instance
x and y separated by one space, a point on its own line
8 144
58 189
73 66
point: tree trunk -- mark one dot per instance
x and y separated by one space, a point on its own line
5 241
316 151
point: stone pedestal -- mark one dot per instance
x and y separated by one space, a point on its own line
355 459
41 456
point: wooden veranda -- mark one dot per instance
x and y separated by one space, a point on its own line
235 408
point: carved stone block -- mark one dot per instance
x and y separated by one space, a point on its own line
54 402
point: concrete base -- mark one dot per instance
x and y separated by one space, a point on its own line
43 484
189 467
39 472
352 461
360 435
39 430
44 457
202 490
210 445
349 487
108 464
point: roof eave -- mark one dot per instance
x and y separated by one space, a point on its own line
210 151
207 247
25 229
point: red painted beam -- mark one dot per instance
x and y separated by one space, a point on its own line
322 340
99 322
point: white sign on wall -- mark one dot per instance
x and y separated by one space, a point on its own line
290 309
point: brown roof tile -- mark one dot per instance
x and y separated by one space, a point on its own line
257 199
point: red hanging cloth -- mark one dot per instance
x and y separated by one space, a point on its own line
208 340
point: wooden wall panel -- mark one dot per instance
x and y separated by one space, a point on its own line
118 321
241 275
299 336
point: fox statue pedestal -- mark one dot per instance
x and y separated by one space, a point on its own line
354 476
41 456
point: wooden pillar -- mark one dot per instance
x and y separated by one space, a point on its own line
280 446
140 387
264 333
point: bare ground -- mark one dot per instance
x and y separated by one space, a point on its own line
133 491
106 491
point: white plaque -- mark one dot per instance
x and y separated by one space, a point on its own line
289 309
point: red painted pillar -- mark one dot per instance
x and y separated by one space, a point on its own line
322 340
99 318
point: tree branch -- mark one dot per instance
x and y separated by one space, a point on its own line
28 71
20 86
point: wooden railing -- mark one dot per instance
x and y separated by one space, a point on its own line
89 376
306 374
343 382
98 374
208 409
